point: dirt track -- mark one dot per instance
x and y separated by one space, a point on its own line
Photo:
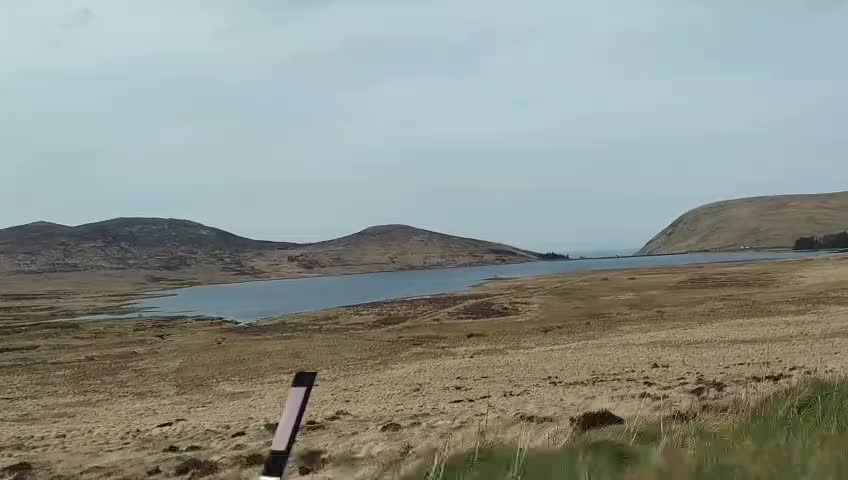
107 399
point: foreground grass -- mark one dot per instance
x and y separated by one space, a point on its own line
797 433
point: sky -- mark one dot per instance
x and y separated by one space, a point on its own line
546 124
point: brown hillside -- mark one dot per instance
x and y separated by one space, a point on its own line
123 244
759 222
404 247
190 250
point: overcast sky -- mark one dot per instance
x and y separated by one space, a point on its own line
541 123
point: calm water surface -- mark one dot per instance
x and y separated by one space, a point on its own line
252 301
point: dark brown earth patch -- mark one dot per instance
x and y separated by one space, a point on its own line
485 309
594 420
196 467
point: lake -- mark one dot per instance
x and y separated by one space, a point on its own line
252 301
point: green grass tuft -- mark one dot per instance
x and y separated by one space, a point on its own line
796 433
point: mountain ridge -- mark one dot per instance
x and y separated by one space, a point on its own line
774 221
176 245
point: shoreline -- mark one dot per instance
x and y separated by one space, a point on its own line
117 296
191 283
138 313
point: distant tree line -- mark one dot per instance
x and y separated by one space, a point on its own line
836 240
553 256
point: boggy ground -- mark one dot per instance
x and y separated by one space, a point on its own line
136 399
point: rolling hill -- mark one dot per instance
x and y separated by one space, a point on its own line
404 247
181 246
758 222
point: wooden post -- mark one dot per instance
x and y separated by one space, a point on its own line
281 447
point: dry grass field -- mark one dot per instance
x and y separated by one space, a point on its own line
399 380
